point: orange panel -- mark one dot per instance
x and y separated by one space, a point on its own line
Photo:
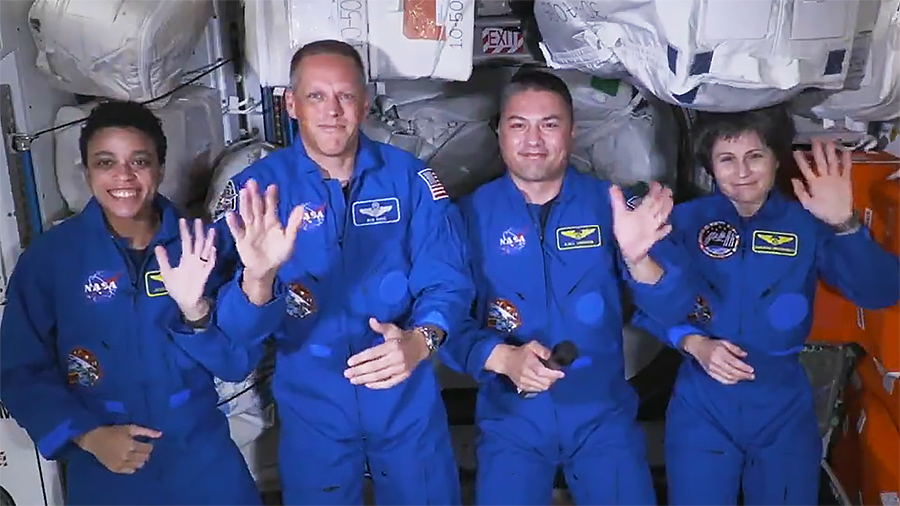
835 318
880 441
874 385
883 336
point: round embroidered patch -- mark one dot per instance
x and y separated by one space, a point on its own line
590 308
718 239
788 310
300 302
503 316
83 368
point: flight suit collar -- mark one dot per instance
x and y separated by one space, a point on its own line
168 228
368 156
568 191
774 206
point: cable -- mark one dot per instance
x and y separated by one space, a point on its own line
212 67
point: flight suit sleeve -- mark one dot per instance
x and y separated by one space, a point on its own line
857 266
244 321
470 348
671 335
33 386
663 309
439 280
226 356
671 298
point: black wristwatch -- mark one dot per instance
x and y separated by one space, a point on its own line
203 323
434 337
852 224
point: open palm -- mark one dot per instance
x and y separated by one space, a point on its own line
262 242
828 193
638 230
186 282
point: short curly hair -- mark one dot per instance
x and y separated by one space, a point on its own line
774 125
123 114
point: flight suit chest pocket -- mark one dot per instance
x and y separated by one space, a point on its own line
382 284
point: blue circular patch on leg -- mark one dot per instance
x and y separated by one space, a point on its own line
393 287
590 308
788 310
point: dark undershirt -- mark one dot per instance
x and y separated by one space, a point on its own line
539 214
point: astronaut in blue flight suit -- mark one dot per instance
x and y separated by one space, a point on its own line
551 250
109 352
742 412
377 281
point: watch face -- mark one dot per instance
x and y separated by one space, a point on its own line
431 339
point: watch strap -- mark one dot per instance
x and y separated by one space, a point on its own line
850 226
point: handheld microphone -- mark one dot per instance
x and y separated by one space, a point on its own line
561 356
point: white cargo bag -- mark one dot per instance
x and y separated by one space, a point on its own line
717 55
447 125
192 123
410 39
397 39
872 90
275 29
125 49
250 408
620 135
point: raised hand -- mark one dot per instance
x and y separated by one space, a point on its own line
828 192
187 281
262 242
638 230
390 362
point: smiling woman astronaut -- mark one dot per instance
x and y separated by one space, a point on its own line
112 334
742 412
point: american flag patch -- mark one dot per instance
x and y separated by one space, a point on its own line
438 191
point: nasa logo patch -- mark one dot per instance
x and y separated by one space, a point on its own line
313 216
503 316
718 239
300 302
101 285
512 241
83 368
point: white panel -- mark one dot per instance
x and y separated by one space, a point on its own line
736 19
820 19
36 103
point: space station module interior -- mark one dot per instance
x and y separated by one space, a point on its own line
215 72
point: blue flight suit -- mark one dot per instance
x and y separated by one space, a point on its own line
90 338
757 279
385 249
560 281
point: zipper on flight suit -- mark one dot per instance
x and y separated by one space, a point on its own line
348 196
540 223
136 274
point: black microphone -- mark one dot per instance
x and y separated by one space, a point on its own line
561 356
